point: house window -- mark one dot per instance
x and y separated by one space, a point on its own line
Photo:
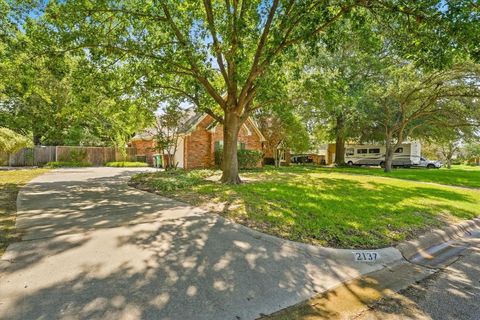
376 150
219 145
349 152
362 151
399 150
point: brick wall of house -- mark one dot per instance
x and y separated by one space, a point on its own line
143 148
197 145
249 137
200 144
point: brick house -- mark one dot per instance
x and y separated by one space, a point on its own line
199 136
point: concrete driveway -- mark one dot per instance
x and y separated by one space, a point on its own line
94 248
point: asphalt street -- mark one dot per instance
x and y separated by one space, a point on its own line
453 293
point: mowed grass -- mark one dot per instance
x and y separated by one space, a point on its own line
325 207
465 176
10 183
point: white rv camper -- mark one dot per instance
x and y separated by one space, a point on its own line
408 154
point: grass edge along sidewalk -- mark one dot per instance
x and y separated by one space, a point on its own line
10 183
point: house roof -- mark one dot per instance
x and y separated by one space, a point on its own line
146 134
188 123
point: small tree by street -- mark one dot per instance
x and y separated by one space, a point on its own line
167 133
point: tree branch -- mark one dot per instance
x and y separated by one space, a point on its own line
196 70
216 44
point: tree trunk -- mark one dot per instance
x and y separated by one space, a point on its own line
231 128
170 161
449 162
340 141
389 149
37 139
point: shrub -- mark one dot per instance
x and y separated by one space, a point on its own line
126 164
172 180
67 164
247 159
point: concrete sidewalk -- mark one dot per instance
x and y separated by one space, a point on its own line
94 248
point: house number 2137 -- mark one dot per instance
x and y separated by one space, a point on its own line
366 256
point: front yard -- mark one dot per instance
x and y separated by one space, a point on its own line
330 207
467 176
10 183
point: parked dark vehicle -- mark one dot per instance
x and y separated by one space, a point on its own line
301 159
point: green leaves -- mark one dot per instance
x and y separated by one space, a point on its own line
11 142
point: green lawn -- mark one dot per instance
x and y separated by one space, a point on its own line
466 176
324 206
10 183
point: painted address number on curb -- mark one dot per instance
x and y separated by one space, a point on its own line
366 256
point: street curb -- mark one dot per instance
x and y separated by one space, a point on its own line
419 246
389 255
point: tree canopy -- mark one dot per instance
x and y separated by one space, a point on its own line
229 51
230 57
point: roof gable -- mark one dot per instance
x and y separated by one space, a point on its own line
190 122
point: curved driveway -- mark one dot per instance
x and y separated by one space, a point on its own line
94 248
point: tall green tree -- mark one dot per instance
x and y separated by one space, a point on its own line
337 74
65 98
407 99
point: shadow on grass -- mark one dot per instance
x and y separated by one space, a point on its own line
341 212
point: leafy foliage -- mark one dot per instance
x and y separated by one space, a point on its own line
126 164
167 133
406 99
228 57
11 142
247 159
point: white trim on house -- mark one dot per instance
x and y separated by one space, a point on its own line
257 130
179 155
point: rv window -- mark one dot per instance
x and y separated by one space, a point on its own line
373 150
349 152
361 150
399 150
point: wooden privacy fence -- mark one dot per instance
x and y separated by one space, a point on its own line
40 155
